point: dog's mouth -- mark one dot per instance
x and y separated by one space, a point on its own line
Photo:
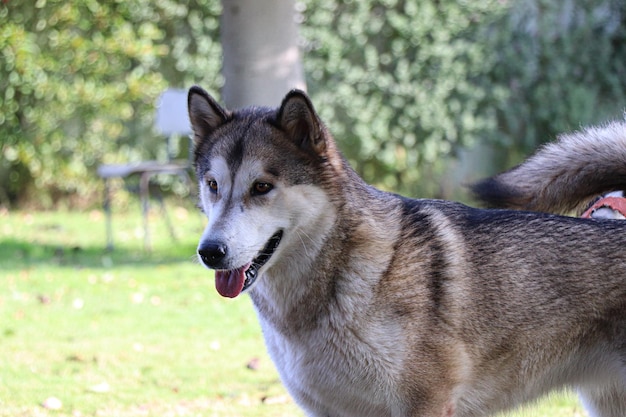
231 283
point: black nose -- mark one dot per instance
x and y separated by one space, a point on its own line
212 253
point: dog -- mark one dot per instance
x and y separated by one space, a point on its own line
373 304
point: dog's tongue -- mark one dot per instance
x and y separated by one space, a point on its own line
230 283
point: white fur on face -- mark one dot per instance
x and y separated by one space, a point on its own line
244 223
234 219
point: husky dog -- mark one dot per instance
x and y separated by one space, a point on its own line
373 304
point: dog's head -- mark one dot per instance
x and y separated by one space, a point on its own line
259 172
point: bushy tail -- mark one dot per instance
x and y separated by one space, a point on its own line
563 176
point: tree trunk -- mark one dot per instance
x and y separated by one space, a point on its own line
260 47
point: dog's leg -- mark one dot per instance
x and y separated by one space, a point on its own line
605 402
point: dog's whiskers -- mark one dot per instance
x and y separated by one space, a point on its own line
300 232
194 259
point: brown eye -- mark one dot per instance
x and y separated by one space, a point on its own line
212 186
260 188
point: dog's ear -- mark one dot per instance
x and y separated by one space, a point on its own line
205 114
298 118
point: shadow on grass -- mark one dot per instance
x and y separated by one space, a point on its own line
16 253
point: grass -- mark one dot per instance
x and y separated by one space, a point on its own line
131 333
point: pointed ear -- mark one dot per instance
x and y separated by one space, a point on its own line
297 117
205 114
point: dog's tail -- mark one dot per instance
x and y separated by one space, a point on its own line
563 176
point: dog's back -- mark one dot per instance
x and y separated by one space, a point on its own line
565 177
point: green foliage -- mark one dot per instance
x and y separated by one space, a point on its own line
404 84
395 80
562 65
79 83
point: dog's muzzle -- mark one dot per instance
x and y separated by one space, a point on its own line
231 282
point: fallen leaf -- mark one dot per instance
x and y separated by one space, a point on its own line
52 403
278 399
78 303
253 364
100 388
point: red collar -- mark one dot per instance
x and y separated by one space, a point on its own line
614 203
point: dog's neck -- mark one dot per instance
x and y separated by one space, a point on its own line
299 291
281 294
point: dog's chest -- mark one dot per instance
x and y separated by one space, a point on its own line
339 371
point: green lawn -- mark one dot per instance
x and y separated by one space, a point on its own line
131 333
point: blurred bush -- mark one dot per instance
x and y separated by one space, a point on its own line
79 82
561 65
406 84
403 84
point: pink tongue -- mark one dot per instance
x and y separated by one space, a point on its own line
230 283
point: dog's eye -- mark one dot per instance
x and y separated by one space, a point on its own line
260 188
212 186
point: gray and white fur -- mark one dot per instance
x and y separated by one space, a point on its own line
373 304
